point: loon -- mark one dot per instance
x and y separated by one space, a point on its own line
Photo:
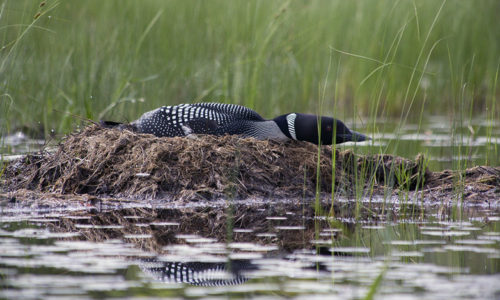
221 119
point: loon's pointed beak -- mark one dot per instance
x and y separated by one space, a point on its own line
357 137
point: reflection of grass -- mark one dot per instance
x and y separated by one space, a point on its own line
375 285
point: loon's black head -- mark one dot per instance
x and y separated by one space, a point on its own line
304 127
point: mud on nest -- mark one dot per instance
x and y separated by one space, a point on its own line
110 162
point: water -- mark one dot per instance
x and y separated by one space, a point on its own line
138 255
14 145
446 144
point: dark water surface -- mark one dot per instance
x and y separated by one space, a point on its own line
438 258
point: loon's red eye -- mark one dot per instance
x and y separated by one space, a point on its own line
329 128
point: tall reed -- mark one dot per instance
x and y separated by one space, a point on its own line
116 59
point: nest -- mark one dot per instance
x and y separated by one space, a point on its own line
121 163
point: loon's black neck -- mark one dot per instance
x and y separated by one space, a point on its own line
316 129
285 126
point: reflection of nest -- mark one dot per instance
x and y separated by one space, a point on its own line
110 162
284 224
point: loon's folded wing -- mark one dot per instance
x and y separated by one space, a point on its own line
201 118
234 110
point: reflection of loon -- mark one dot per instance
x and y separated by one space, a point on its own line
198 273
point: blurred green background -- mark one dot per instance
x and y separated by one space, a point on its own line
358 60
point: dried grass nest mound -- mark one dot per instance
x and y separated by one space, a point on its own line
120 163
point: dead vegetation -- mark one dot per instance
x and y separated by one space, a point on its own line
102 162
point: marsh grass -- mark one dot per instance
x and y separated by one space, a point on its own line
120 58
5 106
492 116
402 175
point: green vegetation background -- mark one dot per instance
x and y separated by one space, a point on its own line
361 60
